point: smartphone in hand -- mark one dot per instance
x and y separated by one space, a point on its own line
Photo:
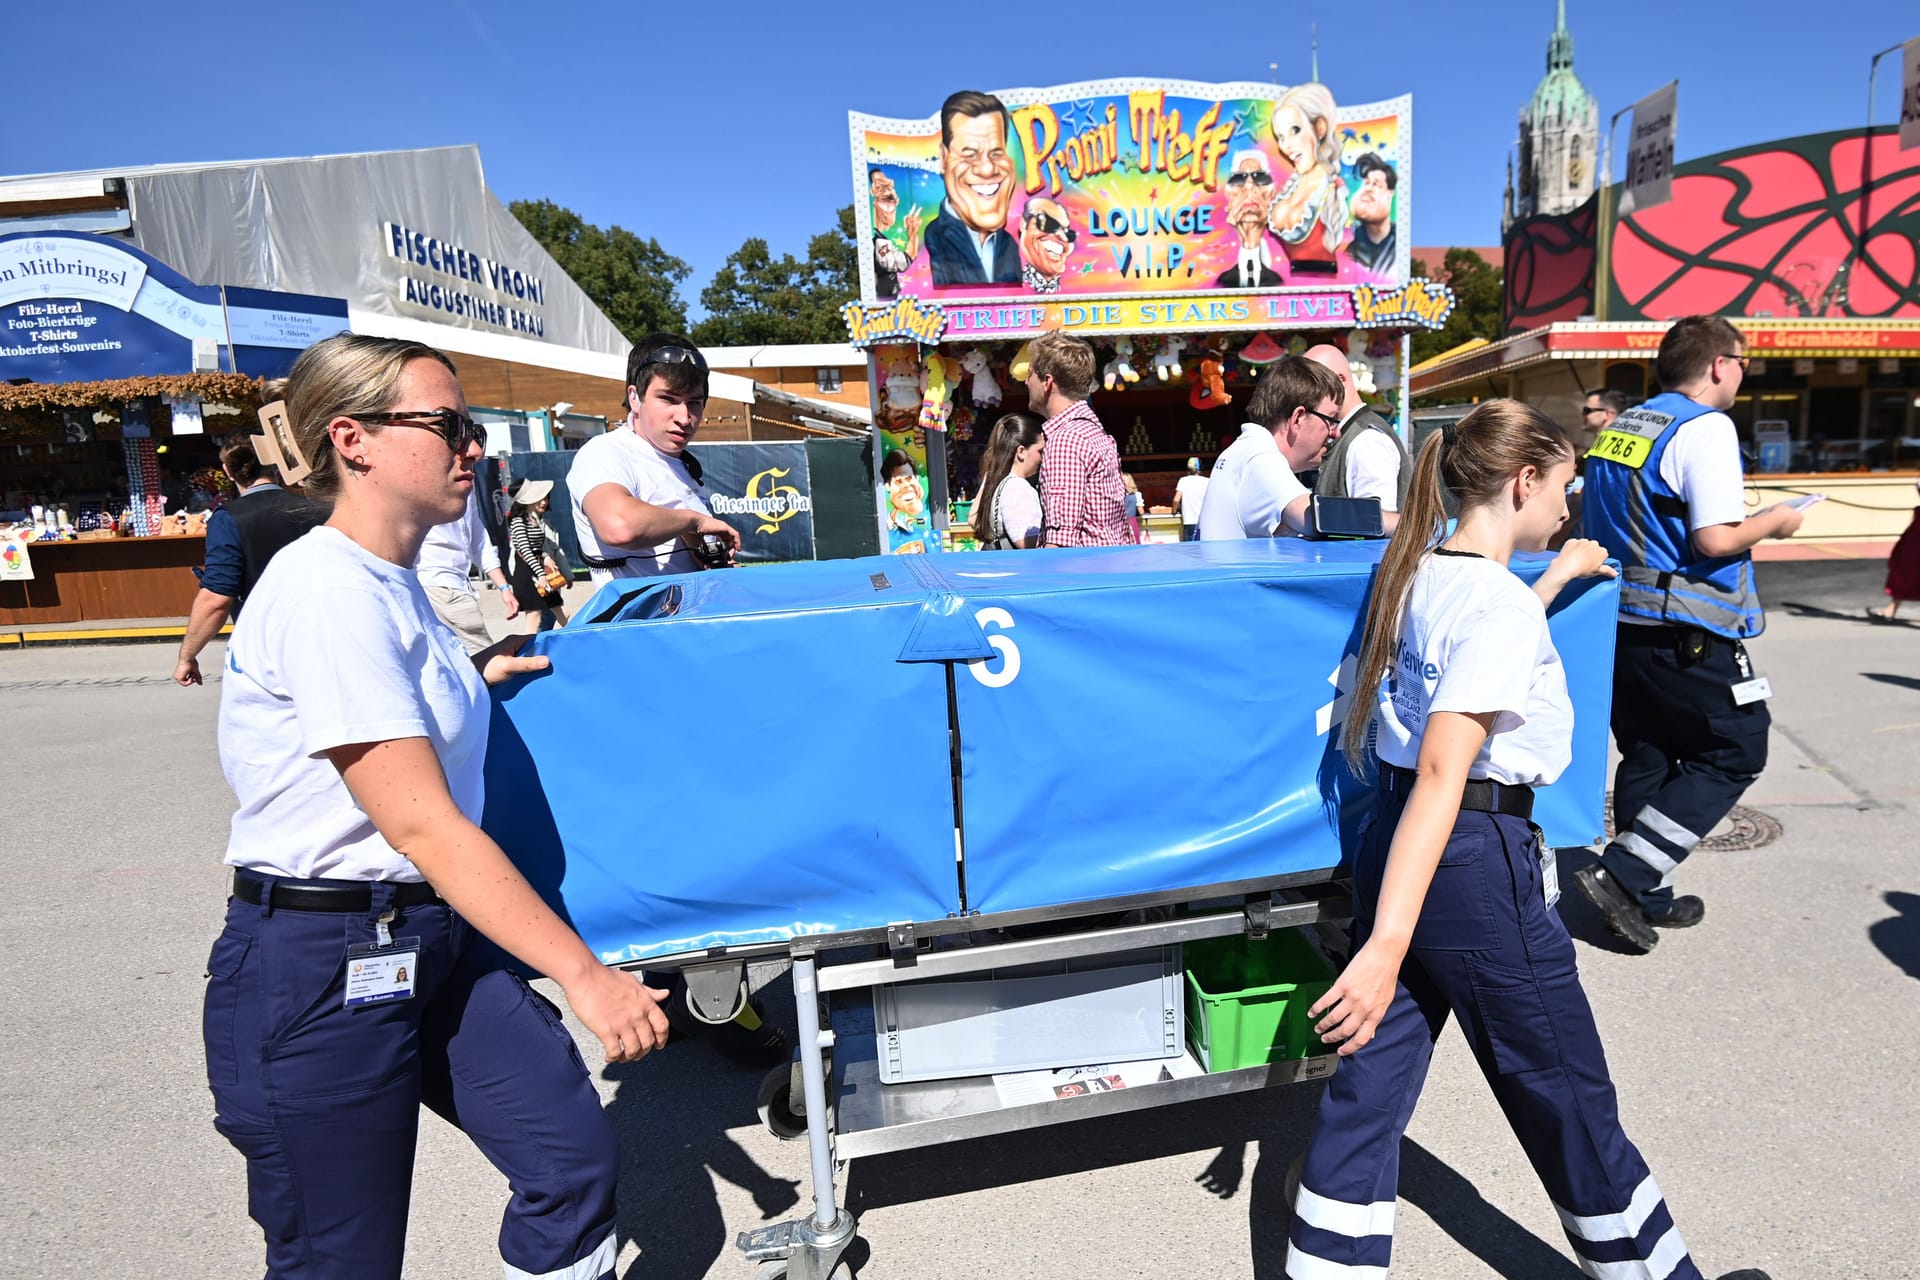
1806 500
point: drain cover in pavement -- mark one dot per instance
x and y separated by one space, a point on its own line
1744 828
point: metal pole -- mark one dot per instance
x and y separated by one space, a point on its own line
1866 148
813 1078
1603 264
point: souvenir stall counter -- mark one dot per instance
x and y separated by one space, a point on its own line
105 489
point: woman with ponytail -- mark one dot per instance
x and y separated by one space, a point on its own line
1451 906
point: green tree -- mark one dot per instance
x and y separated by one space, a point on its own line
757 298
1476 311
634 281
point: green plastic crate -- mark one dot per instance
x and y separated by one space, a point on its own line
1247 999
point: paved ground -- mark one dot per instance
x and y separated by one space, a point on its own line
1766 1061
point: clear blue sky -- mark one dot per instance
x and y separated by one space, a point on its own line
704 123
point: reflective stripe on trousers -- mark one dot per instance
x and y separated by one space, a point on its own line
1487 949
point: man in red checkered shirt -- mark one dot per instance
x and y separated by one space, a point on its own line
1086 504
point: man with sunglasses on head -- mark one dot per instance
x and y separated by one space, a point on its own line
636 490
1254 491
638 512
1666 496
1249 200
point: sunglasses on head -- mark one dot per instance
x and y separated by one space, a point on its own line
676 355
1257 177
1050 225
452 426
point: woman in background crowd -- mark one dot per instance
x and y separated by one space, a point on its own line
1007 512
533 572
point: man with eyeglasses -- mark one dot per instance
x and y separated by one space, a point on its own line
1665 494
1249 201
1254 491
1046 239
635 490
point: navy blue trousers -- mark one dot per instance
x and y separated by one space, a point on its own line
1488 950
1688 752
324 1101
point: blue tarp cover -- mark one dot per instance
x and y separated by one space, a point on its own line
755 755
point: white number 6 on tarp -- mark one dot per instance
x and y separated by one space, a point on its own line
1009 652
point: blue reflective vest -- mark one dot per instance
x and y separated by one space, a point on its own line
1643 523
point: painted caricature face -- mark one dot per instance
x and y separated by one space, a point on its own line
903 492
1294 133
978 170
886 201
1249 193
1045 237
1373 202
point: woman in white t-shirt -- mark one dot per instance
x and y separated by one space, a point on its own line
1007 513
1451 901
349 987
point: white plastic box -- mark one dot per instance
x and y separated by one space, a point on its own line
1126 1007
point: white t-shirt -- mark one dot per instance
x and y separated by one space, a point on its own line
337 647
1019 509
620 457
1474 639
1373 470
1249 490
1193 492
450 549
1702 466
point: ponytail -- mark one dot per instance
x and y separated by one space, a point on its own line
1422 524
1472 460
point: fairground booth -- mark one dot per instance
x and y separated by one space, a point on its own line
1192 233
141 308
1809 245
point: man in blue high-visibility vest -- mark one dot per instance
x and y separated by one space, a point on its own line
1666 495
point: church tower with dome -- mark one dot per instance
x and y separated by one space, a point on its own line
1559 139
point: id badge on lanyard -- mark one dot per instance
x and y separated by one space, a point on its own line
382 970
1749 688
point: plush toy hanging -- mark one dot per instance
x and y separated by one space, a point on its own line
1120 368
1262 350
936 402
1022 367
982 390
902 378
1166 363
1210 387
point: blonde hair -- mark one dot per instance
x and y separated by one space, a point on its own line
344 376
1314 101
1068 360
1473 460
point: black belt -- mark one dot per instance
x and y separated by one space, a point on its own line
1482 795
346 899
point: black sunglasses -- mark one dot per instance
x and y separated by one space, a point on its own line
452 426
1050 225
675 355
1256 177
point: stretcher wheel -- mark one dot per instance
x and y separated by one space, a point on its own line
778 1271
775 1103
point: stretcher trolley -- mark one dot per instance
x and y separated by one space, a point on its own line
901 775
